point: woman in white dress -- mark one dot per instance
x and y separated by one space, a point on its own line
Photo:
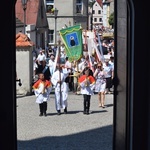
100 84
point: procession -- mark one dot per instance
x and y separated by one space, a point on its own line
82 63
66 70
72 94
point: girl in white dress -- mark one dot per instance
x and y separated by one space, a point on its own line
100 84
87 83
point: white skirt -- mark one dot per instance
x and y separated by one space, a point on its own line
100 88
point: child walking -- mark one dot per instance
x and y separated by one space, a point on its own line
42 89
87 83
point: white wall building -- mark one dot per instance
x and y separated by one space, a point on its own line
108 8
97 15
24 64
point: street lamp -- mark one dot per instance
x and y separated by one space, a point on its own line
24 5
55 15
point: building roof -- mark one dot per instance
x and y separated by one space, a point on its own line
23 40
108 1
100 3
31 11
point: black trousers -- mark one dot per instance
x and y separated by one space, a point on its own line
86 102
69 80
43 107
108 83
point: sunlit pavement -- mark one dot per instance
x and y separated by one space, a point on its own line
71 131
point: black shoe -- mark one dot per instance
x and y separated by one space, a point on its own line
84 112
87 112
41 114
65 110
58 112
45 114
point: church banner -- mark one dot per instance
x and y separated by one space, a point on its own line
72 39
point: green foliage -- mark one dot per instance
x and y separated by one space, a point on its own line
91 4
111 19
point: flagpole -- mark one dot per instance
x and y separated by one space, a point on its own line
59 44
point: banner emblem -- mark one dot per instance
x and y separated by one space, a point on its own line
72 39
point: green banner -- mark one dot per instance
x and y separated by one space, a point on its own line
72 39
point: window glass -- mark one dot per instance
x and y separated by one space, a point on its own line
51 36
99 11
50 6
95 19
78 6
49 1
100 19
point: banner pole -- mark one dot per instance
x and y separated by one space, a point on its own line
59 44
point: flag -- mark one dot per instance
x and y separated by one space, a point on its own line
72 39
100 46
90 48
57 57
99 56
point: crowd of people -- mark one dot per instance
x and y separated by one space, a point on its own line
87 76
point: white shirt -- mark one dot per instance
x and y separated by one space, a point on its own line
108 69
68 65
41 57
81 66
51 65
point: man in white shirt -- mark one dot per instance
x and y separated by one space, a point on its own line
41 61
51 64
109 74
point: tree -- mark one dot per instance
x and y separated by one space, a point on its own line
111 19
91 3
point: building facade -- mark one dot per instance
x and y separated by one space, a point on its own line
96 15
108 8
69 13
35 20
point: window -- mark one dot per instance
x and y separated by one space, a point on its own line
100 19
95 19
99 11
78 6
51 36
50 6
93 11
